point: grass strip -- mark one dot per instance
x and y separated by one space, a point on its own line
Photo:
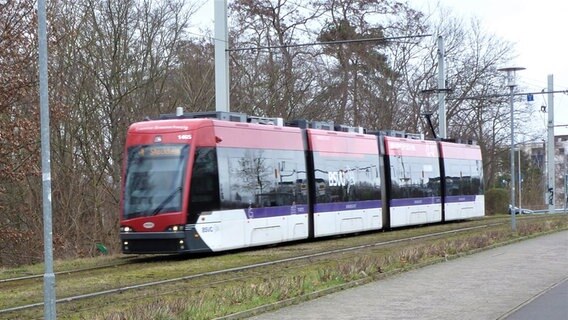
277 286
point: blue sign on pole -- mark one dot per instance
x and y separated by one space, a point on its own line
530 97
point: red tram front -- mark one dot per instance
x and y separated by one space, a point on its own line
200 185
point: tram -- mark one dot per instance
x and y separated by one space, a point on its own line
216 181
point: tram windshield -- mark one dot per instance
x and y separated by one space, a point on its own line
154 179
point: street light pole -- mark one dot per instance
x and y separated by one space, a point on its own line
520 183
511 84
49 311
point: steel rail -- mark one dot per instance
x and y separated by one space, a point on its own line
73 271
248 267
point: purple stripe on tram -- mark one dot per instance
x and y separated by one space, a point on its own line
463 198
406 202
269 212
343 206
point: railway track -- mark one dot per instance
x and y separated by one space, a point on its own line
228 273
228 270
122 262
65 272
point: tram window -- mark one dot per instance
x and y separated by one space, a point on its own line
154 179
344 179
414 177
261 178
463 177
204 190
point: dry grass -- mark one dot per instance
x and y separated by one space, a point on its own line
296 283
220 296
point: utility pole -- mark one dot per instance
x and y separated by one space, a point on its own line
441 91
442 88
520 183
48 277
565 188
221 57
550 151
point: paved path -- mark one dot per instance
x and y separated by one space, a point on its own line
552 304
494 284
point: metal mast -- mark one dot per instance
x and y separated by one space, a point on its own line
49 276
550 151
511 84
221 57
442 87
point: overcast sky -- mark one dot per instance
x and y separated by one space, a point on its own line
536 28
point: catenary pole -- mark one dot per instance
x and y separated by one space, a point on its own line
550 150
442 87
49 276
222 93
520 182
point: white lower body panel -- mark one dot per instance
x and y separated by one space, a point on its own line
465 209
347 221
233 229
414 215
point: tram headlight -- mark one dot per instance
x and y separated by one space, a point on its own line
176 228
125 229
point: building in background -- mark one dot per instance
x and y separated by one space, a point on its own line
561 167
537 153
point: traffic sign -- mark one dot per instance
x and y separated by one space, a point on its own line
530 97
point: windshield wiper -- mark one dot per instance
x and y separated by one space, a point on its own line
166 200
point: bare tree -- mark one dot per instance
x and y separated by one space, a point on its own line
360 71
110 64
192 78
113 61
475 108
19 133
274 82
18 119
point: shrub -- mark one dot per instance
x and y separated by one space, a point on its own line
496 201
